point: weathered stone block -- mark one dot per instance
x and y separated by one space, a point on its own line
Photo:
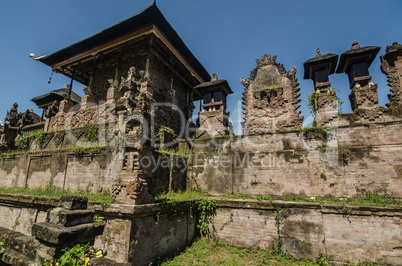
74 202
60 235
67 218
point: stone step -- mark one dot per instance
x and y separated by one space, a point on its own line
56 234
68 218
12 257
21 244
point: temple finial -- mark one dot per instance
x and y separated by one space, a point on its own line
355 45
154 3
318 53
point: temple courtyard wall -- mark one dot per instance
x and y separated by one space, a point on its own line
345 161
140 234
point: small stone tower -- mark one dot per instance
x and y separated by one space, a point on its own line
324 102
355 63
213 118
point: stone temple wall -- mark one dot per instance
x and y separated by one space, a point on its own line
142 234
342 162
343 155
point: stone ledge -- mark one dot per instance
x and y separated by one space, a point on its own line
12 257
28 200
61 235
328 208
68 218
121 210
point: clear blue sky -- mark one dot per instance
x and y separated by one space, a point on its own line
226 36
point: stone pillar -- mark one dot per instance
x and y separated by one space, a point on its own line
326 113
212 123
133 185
112 95
88 101
65 107
364 97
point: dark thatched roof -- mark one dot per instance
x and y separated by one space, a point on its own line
149 16
56 95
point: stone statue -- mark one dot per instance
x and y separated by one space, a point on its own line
318 53
3 143
53 109
13 116
87 91
355 45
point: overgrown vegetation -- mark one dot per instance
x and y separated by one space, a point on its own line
369 198
168 130
39 136
51 190
97 218
2 249
91 137
277 215
78 255
207 252
78 150
312 99
21 142
173 152
206 208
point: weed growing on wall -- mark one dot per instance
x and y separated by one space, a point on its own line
97 218
206 209
39 136
277 215
22 141
92 134
312 99
2 249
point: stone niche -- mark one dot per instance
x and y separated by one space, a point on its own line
271 99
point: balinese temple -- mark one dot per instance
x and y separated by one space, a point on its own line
143 48
140 78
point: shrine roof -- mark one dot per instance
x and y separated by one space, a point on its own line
210 85
327 60
147 17
59 95
363 54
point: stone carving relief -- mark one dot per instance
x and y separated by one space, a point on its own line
393 81
271 98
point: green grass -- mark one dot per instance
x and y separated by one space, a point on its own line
90 148
370 198
208 252
182 195
56 192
